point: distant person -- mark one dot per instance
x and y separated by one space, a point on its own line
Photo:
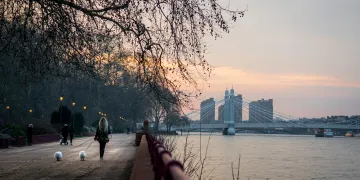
29 134
128 130
110 131
102 135
71 133
65 133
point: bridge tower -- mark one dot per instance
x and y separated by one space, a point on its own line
231 129
229 112
226 107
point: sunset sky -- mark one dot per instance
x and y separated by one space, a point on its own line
304 54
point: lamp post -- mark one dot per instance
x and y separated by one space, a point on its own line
85 108
8 108
61 100
73 105
30 111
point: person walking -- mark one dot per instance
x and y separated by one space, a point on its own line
29 134
71 133
102 135
65 133
110 131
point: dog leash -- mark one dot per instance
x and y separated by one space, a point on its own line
89 145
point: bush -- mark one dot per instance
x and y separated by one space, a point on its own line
65 115
78 120
87 129
7 136
95 124
118 130
55 117
13 130
43 128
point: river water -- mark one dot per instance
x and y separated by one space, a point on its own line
283 157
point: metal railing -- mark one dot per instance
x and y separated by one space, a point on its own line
164 166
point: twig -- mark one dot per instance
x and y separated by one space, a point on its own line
232 170
238 177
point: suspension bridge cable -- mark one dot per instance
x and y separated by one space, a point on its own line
275 110
199 111
299 123
268 111
204 107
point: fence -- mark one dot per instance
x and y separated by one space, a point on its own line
164 166
38 139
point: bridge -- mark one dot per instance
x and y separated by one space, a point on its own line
272 125
237 112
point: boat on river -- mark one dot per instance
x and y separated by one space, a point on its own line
349 134
324 133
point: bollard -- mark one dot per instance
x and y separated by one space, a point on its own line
146 126
138 138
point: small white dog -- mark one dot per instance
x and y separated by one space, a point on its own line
58 155
82 155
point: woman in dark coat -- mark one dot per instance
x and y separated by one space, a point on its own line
102 133
29 134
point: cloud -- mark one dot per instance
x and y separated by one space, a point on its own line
224 75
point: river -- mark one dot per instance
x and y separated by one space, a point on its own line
283 157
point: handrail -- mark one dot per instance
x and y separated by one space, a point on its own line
164 166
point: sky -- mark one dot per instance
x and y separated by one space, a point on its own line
304 54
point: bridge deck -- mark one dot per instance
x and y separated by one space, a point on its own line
274 125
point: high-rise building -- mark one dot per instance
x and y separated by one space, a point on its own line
238 108
221 114
261 111
207 111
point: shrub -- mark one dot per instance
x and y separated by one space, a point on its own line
55 117
7 136
78 120
95 124
87 129
43 128
65 115
13 130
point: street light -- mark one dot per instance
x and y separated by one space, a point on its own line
99 113
30 110
73 104
8 108
61 100
105 115
84 107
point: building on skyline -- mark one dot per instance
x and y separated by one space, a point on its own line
261 111
207 111
221 114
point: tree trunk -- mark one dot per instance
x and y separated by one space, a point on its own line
157 125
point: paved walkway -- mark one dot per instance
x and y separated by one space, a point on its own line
38 162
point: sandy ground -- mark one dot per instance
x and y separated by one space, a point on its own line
38 162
